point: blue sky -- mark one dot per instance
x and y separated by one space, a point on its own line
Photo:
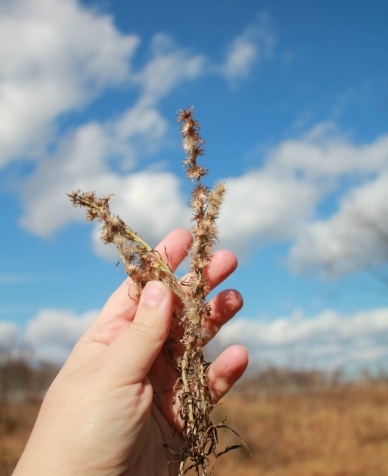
292 97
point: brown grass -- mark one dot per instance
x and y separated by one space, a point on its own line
22 387
340 430
333 432
16 422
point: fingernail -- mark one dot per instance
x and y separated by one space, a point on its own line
154 293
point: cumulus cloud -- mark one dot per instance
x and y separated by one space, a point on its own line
327 340
52 333
251 46
276 202
9 334
56 56
151 203
83 157
325 152
264 206
355 236
167 68
352 239
279 201
82 161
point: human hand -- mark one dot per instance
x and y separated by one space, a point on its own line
109 410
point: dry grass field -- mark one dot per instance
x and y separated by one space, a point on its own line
21 389
16 422
331 430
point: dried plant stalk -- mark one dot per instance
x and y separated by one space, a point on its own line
143 264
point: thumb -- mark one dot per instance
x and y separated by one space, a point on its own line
130 356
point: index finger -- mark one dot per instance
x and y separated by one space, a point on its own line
119 310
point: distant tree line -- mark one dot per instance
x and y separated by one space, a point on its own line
272 380
22 379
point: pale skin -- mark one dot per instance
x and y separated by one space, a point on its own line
109 410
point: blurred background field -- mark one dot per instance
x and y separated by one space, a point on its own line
296 423
22 388
335 430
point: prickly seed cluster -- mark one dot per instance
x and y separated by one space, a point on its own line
143 264
140 261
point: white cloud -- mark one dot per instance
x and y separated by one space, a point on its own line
264 206
327 340
278 202
151 203
324 152
82 160
139 131
83 157
62 55
352 239
55 56
168 67
52 333
254 43
9 334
